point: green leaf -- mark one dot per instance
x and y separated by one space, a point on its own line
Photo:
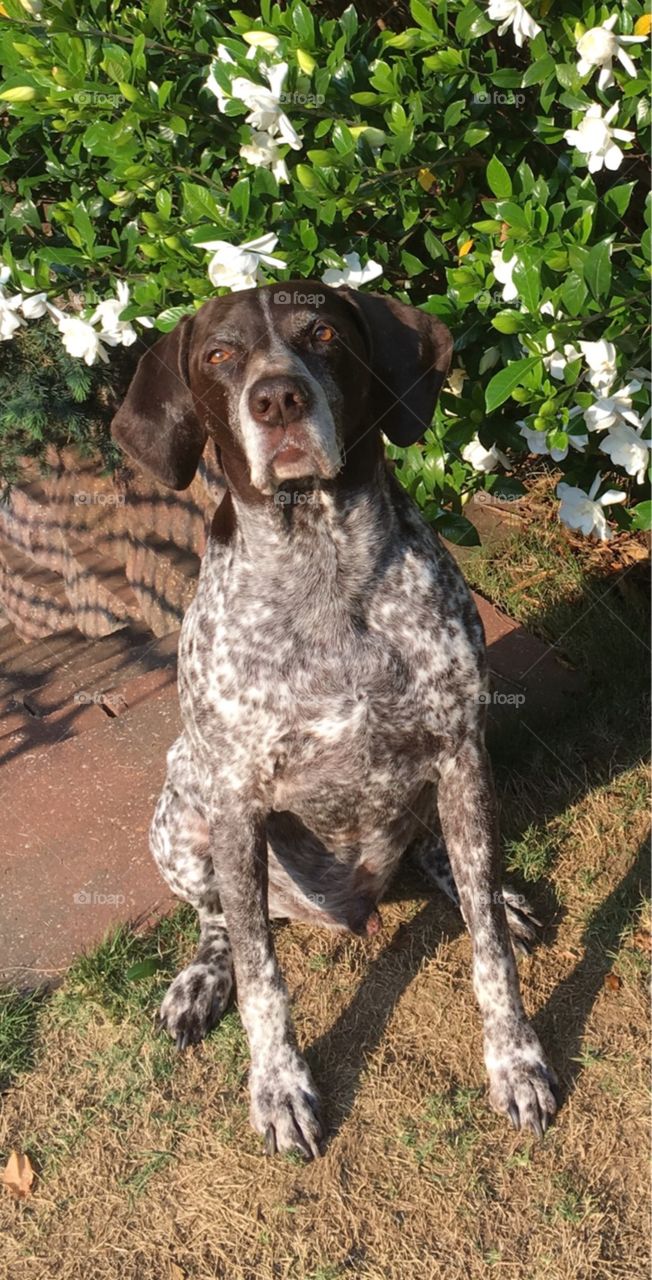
642 516
454 114
307 177
502 384
508 322
423 16
597 269
457 529
240 196
498 178
539 71
198 203
573 293
506 487
413 266
343 139
513 214
169 318
116 63
527 278
156 11
303 23
618 198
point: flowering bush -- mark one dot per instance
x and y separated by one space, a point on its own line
484 162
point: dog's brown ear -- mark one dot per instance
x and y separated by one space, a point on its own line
410 357
156 423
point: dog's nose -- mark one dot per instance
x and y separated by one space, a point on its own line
278 401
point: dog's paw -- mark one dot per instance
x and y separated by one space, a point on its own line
523 1086
521 921
285 1107
194 1003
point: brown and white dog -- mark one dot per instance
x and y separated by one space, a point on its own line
332 675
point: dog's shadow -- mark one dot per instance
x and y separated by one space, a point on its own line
562 1020
340 1055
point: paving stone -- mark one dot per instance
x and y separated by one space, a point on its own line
75 858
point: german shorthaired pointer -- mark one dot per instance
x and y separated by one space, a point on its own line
332 675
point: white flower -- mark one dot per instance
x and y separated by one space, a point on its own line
579 510
9 320
482 459
236 267
623 444
536 443
34 306
555 361
613 410
5 274
353 274
601 359
513 14
265 111
263 151
211 83
79 337
594 137
503 272
598 48
107 314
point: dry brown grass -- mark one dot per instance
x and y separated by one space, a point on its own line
148 1168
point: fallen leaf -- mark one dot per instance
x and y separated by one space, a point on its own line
425 179
465 248
18 1176
644 25
612 982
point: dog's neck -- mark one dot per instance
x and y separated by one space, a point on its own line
320 541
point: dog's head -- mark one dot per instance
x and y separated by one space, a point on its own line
287 380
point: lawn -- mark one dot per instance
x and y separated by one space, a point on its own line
146 1165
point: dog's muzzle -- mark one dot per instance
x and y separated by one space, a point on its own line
294 429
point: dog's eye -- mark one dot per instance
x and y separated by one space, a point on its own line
219 355
323 333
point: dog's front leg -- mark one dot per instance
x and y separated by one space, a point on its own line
521 1082
284 1102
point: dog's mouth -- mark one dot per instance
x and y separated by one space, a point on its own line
291 455
297 458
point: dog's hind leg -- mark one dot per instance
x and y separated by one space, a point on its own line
179 843
428 853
